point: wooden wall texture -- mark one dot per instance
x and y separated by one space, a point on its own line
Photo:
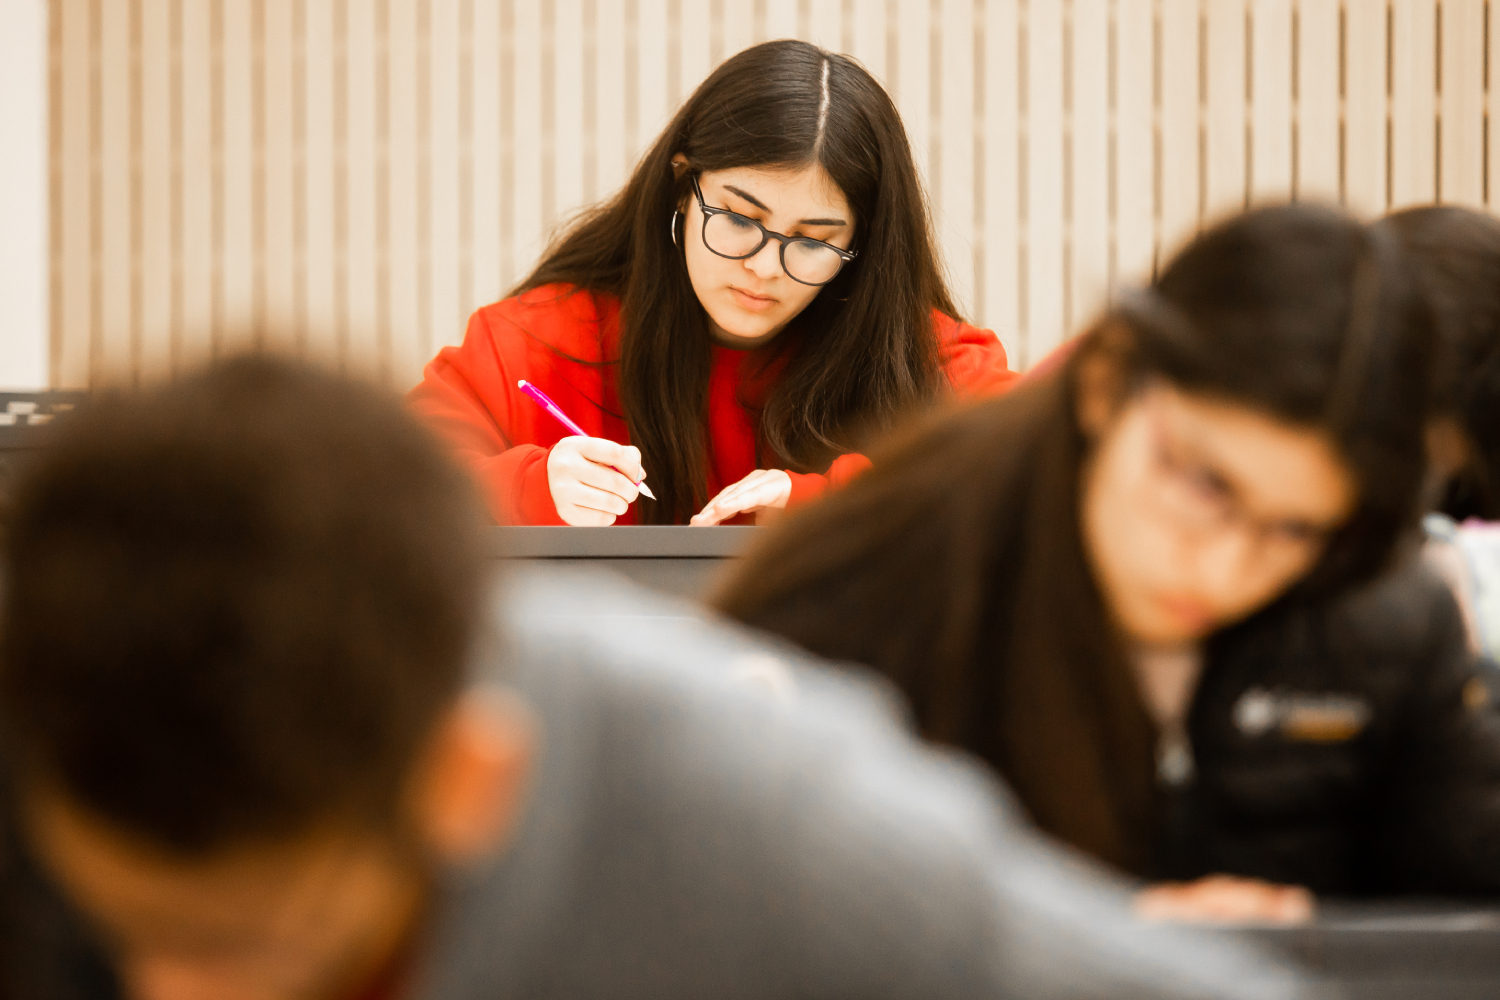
355 176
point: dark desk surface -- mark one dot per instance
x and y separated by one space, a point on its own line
624 542
684 561
1385 950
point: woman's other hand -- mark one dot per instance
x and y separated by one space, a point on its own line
1225 899
763 489
593 480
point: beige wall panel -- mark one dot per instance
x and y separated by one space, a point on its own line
155 261
612 164
1413 102
1045 285
825 25
1461 105
484 219
196 96
528 227
406 201
448 175
321 57
1088 163
1134 181
655 108
1179 167
696 49
1492 46
1317 162
116 262
350 178
1365 108
362 198
240 159
73 317
1225 108
780 19
869 36
953 185
1270 100
998 296
739 26
279 244
909 65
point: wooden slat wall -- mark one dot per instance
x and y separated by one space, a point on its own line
350 178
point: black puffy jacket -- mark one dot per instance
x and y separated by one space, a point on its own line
1351 748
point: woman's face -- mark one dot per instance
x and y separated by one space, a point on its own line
749 301
1197 511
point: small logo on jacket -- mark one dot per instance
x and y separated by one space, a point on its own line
1306 717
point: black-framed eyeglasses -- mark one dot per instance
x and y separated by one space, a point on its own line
805 260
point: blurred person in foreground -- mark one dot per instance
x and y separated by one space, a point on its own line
277 735
1151 586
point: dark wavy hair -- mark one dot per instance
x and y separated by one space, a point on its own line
865 351
1457 256
956 567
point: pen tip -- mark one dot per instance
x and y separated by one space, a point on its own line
646 490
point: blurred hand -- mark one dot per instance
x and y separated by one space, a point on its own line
1225 899
761 490
593 480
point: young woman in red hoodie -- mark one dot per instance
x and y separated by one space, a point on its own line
761 297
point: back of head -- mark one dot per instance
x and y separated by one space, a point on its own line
956 565
235 605
1456 253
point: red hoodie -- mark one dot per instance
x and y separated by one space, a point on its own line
567 346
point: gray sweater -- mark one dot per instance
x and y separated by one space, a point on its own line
694 834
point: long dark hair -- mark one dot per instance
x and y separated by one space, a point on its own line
1457 256
956 566
865 348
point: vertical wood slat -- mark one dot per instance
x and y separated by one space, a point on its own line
155 268
115 254
1270 100
1043 193
239 157
1088 147
1413 102
1133 185
448 156
1225 108
322 59
73 319
196 180
405 200
362 165
1365 109
1178 166
279 249
953 204
1317 101
1461 102
999 296
363 174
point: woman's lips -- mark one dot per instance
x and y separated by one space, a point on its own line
1186 611
753 303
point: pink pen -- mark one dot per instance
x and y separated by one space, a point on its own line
541 399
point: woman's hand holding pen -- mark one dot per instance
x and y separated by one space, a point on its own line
763 489
593 480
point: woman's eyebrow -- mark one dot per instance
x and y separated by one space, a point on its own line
804 222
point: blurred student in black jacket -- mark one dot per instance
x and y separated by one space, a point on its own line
1139 585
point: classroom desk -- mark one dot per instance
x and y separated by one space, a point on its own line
1397 949
682 561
